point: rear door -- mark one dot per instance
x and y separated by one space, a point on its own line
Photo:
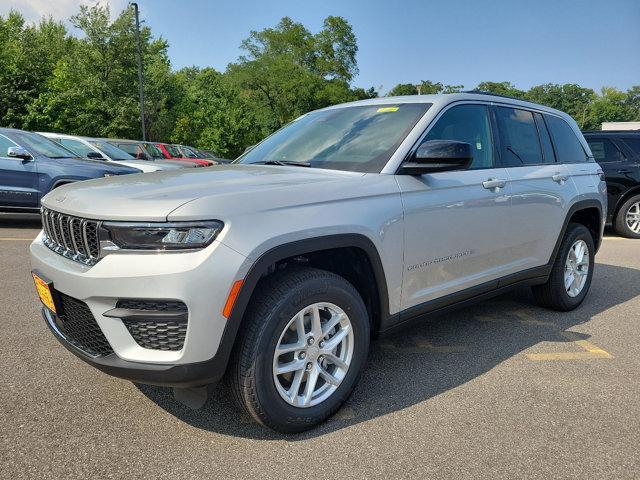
541 187
18 179
455 222
618 164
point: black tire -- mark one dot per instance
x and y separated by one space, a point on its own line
553 294
277 299
620 222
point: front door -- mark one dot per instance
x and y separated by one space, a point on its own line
18 179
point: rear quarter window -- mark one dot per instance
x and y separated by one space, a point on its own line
568 147
633 144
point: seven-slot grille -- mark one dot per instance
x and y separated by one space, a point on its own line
72 237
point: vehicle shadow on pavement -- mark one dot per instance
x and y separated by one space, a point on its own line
20 220
430 358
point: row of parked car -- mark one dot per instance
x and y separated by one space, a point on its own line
32 164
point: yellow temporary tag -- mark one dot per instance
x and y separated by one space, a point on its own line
387 109
44 292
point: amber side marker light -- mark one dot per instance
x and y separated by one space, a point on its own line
231 299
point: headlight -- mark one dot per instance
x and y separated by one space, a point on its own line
160 236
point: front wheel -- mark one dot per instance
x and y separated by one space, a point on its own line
303 347
571 273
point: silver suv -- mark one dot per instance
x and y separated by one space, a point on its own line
351 221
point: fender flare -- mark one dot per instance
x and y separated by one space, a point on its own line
576 207
300 247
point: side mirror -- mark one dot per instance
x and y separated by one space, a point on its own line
19 152
439 156
95 156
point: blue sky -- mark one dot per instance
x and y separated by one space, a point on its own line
528 42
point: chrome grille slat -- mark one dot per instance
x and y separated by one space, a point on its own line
62 236
72 237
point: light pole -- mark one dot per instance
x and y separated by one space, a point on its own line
140 81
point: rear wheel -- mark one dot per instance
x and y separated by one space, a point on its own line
571 273
627 221
303 347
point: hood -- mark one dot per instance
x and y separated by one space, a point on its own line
98 167
217 190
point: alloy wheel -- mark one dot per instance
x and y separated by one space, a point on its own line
576 268
313 355
633 217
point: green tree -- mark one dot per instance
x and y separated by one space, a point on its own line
94 90
288 71
610 106
633 102
28 56
403 89
570 98
425 87
213 114
501 88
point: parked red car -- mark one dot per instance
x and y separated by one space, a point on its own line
172 153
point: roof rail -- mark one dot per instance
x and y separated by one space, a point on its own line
636 131
482 92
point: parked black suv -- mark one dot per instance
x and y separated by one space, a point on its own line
618 153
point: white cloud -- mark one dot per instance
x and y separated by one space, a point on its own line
34 10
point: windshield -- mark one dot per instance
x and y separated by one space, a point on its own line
173 151
114 153
153 151
358 139
43 145
188 152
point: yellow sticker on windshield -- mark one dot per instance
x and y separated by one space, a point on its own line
388 109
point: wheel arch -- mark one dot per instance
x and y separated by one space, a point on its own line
296 252
588 213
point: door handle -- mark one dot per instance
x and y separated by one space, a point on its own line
494 184
559 178
624 171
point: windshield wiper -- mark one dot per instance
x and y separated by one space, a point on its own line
284 162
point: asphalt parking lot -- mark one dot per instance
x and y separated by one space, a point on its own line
502 389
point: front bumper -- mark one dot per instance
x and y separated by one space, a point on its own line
168 375
201 280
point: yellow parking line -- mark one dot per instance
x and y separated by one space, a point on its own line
427 345
10 239
567 356
531 320
591 351
588 346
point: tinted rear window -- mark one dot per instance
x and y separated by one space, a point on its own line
568 147
633 144
604 150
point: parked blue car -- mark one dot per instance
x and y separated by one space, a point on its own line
32 165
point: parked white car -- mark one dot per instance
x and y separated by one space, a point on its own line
101 150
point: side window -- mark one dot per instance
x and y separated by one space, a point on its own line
545 139
470 124
5 143
604 151
633 144
75 146
131 149
518 137
568 147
